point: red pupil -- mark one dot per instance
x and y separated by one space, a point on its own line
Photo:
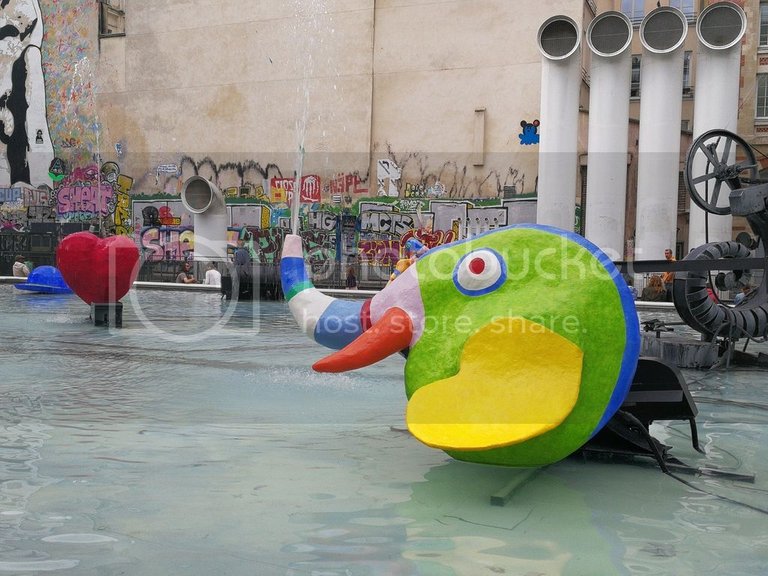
477 265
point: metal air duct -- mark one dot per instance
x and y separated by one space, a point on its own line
609 37
559 40
203 199
662 34
720 28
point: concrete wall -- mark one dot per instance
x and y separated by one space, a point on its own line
442 68
231 80
440 90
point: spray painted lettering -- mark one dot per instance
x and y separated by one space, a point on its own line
281 189
167 243
321 220
85 202
10 194
347 184
394 223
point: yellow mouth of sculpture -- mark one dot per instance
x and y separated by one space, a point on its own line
517 380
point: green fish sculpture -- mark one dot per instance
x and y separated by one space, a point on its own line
521 343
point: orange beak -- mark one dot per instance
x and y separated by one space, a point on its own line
390 334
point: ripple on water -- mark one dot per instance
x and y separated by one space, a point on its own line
79 539
38 566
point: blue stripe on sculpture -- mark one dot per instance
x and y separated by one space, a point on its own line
340 324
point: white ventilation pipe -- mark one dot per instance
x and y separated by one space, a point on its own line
203 199
609 37
720 28
662 34
559 42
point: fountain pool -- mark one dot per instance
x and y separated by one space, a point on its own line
196 440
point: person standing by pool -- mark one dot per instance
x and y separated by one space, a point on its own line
741 296
242 260
351 279
185 274
20 269
668 278
212 275
654 292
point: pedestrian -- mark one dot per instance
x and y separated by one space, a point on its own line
711 293
654 292
668 278
630 285
212 275
20 269
351 279
242 260
741 296
185 275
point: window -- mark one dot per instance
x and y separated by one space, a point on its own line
634 91
634 9
687 74
764 23
111 18
685 6
762 96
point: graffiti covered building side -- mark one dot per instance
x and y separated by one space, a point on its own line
62 162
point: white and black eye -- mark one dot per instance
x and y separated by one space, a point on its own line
480 272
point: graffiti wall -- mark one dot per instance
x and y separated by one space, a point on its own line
56 167
26 150
69 54
371 230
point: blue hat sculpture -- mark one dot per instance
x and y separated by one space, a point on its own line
45 280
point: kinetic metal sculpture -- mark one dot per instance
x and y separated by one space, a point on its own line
730 163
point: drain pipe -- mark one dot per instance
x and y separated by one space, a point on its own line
559 42
720 28
609 37
662 34
203 199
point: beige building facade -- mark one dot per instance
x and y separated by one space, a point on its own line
437 90
403 106
407 95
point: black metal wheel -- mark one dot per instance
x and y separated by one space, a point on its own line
710 165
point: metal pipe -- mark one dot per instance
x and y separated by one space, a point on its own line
720 28
203 199
609 37
559 40
662 34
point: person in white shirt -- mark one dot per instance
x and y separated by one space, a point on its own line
212 275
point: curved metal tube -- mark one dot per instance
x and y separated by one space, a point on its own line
700 312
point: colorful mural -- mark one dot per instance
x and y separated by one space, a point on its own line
26 150
51 169
370 231
68 52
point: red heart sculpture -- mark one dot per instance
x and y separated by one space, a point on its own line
99 270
